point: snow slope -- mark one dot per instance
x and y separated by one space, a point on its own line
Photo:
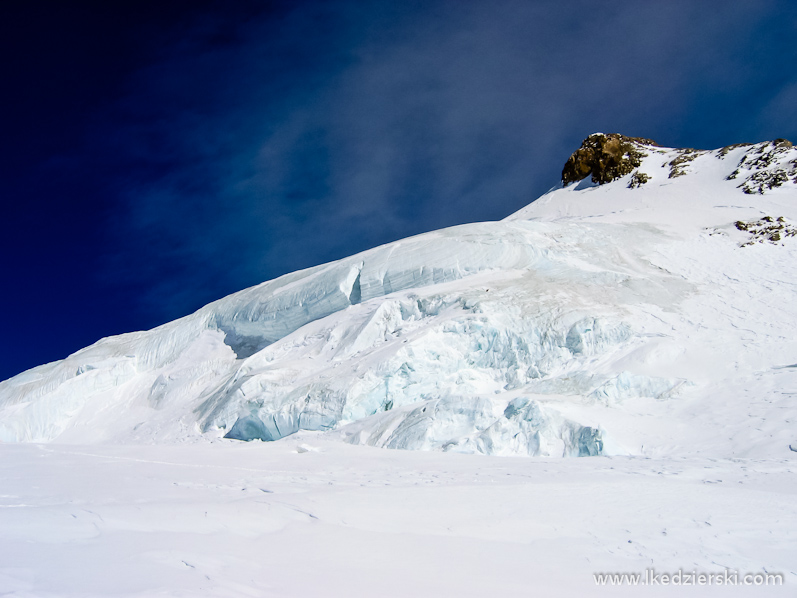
648 327
597 320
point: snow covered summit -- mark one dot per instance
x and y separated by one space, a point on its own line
646 307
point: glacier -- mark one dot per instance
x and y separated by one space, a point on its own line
618 319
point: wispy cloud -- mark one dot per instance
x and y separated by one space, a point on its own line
324 128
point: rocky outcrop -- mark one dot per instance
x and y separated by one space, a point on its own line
763 166
605 157
770 163
767 229
638 179
679 163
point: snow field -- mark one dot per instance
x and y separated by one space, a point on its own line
234 519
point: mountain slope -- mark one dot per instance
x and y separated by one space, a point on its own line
651 314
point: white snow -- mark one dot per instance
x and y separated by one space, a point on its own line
633 326
232 519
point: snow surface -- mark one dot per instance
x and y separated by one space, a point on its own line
309 516
634 326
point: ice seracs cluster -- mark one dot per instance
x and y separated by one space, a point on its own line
612 316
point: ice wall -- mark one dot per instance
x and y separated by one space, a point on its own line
500 338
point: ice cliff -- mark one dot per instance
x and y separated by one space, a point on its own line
627 312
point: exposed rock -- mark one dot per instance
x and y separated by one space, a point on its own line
678 164
728 148
638 179
605 157
766 154
767 164
767 229
759 181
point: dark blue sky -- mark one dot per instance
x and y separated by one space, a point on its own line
160 155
